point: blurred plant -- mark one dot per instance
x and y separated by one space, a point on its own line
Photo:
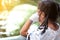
58 1
18 17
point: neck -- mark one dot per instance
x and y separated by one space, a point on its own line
53 25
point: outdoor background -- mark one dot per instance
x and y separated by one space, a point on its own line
13 15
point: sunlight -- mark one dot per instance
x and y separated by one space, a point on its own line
18 15
7 4
13 15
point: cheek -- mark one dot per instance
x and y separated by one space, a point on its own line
41 18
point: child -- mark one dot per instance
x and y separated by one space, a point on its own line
49 29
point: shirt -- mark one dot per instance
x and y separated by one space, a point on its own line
48 35
34 17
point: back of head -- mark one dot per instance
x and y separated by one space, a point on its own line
50 9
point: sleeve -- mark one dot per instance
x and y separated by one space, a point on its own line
34 17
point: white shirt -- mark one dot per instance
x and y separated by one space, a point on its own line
48 35
34 17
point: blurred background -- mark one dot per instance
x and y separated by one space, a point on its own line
13 15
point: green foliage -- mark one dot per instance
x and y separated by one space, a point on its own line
58 1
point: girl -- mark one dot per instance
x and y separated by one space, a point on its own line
49 29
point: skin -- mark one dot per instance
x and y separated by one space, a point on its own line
25 28
41 14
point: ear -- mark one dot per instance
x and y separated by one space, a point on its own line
42 14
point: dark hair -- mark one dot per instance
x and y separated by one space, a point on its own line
51 12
